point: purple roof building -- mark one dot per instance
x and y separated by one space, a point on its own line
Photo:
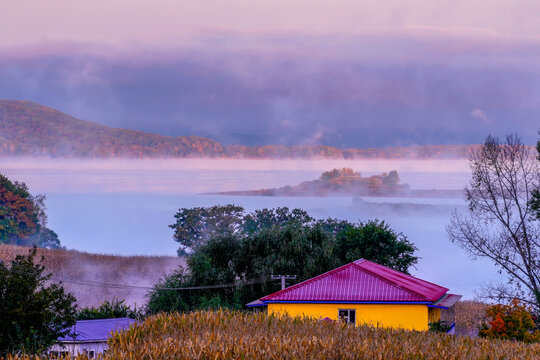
90 336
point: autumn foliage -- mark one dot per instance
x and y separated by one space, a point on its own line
513 321
30 129
19 214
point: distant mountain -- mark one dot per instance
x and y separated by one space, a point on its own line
30 129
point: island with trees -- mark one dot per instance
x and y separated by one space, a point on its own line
347 182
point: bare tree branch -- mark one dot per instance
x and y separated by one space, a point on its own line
500 224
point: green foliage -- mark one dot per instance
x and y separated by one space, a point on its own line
110 309
440 326
265 242
376 241
22 217
33 311
170 300
513 321
194 226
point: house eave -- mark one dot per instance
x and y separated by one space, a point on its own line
346 302
81 341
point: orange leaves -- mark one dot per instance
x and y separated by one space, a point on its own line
18 215
513 321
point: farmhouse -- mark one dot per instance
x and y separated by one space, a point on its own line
363 292
89 337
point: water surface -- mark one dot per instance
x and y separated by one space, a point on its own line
125 206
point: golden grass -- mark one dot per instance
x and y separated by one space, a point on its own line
469 317
82 267
233 335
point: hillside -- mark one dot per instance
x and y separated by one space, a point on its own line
30 129
83 274
27 128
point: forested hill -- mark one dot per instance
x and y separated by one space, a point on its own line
30 129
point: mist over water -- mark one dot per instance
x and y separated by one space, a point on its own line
125 206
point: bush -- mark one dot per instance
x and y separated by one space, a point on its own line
440 326
108 310
513 321
34 312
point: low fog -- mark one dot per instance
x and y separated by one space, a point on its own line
125 206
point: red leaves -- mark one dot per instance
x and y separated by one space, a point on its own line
18 215
513 321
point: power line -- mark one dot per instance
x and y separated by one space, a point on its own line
125 286
283 278
138 287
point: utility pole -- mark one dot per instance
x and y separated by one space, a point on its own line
283 278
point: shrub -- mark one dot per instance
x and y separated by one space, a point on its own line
110 309
513 321
440 326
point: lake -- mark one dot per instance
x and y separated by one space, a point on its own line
125 206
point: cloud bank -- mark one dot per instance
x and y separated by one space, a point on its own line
346 75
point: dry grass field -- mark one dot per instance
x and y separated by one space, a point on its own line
469 317
233 335
80 272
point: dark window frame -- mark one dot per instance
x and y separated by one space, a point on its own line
347 315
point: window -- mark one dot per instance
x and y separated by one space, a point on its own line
347 315
89 353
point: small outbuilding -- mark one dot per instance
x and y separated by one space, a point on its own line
89 337
363 292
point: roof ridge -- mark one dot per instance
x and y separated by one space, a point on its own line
389 281
429 282
120 318
308 281
354 264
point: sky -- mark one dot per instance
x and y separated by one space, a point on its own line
340 73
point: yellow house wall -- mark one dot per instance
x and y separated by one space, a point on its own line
434 315
411 317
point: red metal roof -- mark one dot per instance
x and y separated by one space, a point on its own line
430 291
361 281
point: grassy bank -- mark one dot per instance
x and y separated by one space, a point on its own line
82 273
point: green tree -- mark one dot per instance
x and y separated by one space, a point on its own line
110 309
270 218
33 311
194 226
22 216
376 241
274 241
161 299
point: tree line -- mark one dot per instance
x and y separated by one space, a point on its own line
226 245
